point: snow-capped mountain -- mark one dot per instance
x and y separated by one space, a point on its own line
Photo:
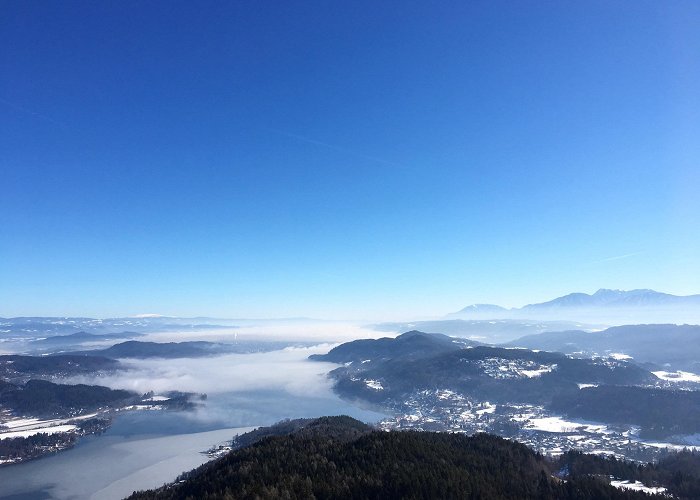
617 298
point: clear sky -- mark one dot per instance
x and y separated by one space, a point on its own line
344 159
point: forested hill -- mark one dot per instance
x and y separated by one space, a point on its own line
409 345
338 457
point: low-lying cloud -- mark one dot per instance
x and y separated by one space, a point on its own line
288 370
242 389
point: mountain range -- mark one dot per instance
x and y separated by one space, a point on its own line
605 305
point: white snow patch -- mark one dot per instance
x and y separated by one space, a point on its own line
620 356
141 407
678 376
537 373
636 486
374 384
157 398
445 394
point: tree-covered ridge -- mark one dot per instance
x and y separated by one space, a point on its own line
342 428
15 366
46 399
337 457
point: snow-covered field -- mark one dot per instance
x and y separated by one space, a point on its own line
558 424
22 422
55 429
25 427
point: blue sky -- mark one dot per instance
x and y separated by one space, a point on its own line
344 159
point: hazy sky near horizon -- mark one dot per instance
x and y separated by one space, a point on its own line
344 159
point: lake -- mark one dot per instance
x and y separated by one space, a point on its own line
145 449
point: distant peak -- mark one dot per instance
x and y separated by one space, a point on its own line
482 308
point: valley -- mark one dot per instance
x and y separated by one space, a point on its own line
68 392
